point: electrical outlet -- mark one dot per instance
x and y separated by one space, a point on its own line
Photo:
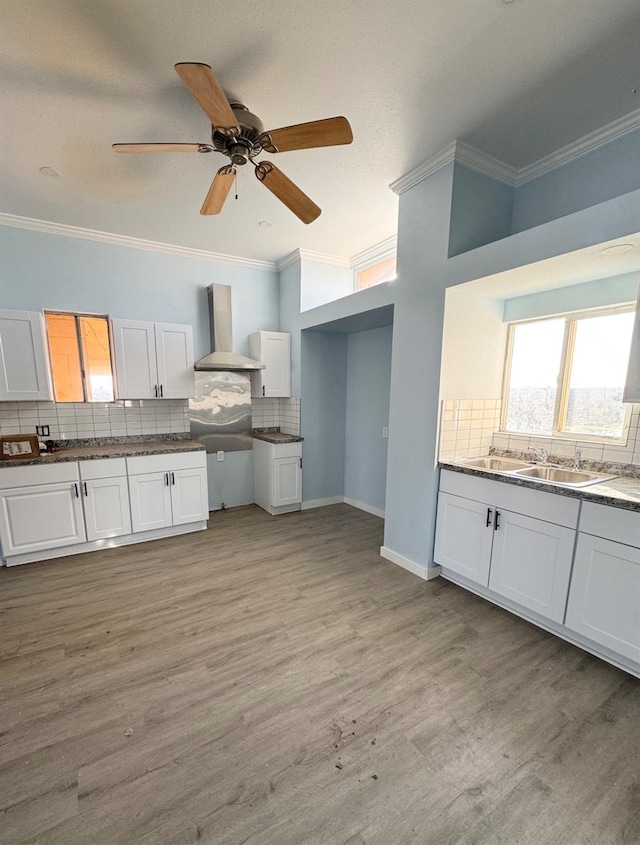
385 431
221 455
42 430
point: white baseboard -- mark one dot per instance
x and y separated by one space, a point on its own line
424 572
363 506
321 503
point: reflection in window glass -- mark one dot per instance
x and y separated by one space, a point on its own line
533 382
65 358
80 358
94 333
385 271
597 375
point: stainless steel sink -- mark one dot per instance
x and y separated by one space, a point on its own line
494 463
563 477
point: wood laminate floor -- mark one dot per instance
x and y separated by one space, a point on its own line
272 681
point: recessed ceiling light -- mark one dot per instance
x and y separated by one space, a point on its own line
617 249
50 171
265 224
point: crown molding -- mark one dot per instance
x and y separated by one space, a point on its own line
377 252
310 255
422 171
484 163
577 149
34 225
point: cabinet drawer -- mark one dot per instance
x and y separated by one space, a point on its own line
287 450
166 462
615 524
551 507
102 468
28 476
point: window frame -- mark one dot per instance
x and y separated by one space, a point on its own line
77 315
571 319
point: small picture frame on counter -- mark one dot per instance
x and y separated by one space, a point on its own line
19 446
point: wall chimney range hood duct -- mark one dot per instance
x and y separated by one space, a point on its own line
223 357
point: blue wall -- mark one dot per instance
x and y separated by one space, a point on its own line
323 409
481 210
368 387
597 294
610 171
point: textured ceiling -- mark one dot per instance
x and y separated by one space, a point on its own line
518 80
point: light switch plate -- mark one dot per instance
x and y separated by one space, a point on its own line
385 431
221 455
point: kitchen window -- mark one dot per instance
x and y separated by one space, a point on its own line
564 376
80 355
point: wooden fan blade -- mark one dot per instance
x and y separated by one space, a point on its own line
219 190
161 148
200 80
287 192
304 136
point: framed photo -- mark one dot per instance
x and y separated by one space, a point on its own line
19 446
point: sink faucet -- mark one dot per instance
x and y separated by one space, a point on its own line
541 455
576 459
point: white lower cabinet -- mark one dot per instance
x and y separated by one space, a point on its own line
168 490
47 516
531 563
69 507
604 599
515 541
277 476
515 544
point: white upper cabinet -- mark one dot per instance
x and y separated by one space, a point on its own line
174 354
153 360
274 350
632 385
24 366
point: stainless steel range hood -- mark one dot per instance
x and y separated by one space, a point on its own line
223 357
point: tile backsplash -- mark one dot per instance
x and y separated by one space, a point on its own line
273 413
468 426
73 420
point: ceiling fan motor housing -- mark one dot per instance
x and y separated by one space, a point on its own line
245 146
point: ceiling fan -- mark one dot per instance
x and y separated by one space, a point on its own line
240 135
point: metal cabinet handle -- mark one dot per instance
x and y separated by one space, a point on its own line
166 479
300 463
161 393
75 490
84 487
173 479
263 389
155 390
489 513
496 521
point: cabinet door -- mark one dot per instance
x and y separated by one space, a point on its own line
189 495
531 563
287 481
604 599
46 516
24 364
150 501
464 535
274 350
174 353
134 349
106 507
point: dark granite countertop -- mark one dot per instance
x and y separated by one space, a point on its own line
274 435
91 450
619 492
